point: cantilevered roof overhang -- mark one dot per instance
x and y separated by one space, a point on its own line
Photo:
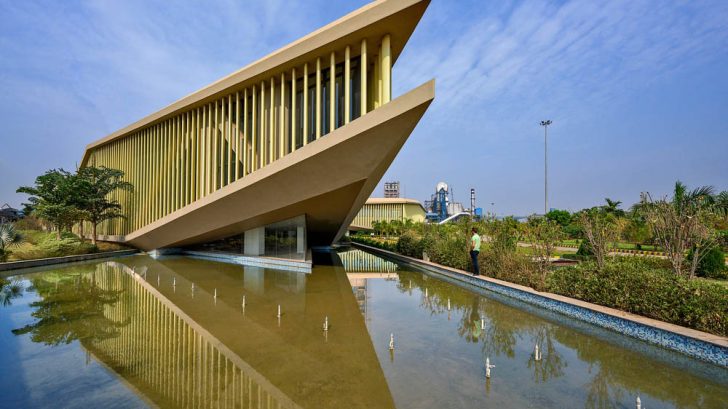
397 18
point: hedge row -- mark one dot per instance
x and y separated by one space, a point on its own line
646 288
639 285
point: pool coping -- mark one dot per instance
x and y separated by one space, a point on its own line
292 265
697 344
39 262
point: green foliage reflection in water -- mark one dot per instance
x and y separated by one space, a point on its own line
9 289
71 308
497 338
638 285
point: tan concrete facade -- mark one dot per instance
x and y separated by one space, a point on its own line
308 130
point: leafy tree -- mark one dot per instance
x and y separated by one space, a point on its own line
96 184
54 198
637 231
685 222
601 229
503 235
27 209
8 238
573 230
712 264
560 217
543 235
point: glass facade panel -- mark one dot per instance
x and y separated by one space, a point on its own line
325 101
355 87
311 108
339 83
299 117
286 239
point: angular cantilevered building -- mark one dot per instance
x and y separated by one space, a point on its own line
280 155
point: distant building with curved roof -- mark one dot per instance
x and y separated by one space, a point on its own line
387 209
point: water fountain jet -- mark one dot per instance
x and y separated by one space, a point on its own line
488 366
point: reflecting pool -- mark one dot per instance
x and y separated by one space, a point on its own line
186 332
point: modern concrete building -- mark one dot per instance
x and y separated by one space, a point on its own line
278 156
387 209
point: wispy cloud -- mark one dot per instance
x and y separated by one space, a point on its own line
71 72
540 54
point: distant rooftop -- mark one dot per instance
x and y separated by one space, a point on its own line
392 200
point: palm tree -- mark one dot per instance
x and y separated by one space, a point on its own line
698 198
612 206
377 227
721 200
9 289
8 238
686 222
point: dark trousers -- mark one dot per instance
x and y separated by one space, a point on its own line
474 257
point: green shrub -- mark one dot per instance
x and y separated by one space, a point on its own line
385 245
585 249
447 245
453 253
29 223
510 266
712 265
410 244
35 236
574 256
645 287
49 246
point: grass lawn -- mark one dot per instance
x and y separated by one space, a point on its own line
620 245
723 283
530 251
631 246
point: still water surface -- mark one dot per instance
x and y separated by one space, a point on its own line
132 332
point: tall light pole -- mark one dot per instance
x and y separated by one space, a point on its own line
545 125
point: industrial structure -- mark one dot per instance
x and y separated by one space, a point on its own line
441 208
387 209
285 150
391 190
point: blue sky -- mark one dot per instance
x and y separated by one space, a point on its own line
637 90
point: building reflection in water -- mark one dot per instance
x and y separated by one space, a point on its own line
170 358
360 267
176 350
179 348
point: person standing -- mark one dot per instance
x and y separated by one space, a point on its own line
475 250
